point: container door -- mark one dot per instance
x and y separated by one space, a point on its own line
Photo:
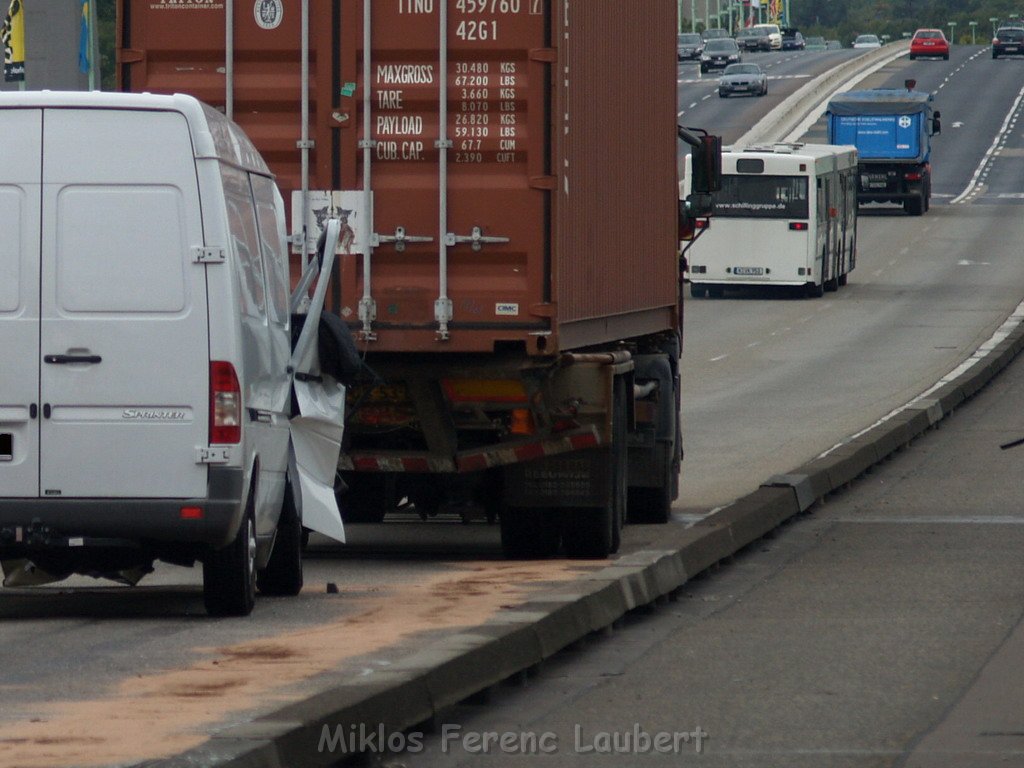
462 226
20 176
124 378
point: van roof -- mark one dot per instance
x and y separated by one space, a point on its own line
213 135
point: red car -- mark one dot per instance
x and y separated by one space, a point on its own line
929 42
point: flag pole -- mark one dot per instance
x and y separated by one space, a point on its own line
94 46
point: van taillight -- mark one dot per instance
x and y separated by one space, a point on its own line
912 176
225 404
799 226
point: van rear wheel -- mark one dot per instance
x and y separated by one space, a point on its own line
229 574
283 574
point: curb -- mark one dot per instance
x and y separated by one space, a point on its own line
416 691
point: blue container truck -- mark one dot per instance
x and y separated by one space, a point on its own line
892 130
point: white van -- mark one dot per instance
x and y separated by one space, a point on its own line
146 388
774 35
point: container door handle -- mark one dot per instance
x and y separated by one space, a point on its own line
66 359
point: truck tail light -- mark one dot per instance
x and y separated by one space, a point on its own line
912 176
225 404
799 226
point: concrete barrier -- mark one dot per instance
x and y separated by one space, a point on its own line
782 120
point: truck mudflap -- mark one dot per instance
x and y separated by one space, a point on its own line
474 460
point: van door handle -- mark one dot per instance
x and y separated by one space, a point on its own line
65 359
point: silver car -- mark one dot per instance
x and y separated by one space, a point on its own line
743 78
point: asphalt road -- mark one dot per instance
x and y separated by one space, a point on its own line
796 376
771 381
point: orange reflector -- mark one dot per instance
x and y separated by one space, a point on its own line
484 390
522 422
191 513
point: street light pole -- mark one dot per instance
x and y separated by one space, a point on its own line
994 20
974 29
952 31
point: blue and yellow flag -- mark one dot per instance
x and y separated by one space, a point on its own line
84 40
13 36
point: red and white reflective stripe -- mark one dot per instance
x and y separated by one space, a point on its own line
474 461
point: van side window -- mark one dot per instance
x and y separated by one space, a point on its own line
275 252
245 241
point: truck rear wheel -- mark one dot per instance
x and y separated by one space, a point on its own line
650 505
914 206
229 574
529 532
283 574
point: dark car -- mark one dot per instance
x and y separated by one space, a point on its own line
689 45
715 33
718 54
754 39
743 78
792 39
1008 41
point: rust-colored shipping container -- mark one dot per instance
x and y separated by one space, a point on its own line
506 171
547 217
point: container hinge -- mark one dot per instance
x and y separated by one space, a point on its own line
367 143
130 56
476 239
399 239
305 144
208 454
202 254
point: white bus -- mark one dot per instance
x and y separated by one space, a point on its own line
786 216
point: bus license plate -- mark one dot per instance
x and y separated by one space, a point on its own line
748 271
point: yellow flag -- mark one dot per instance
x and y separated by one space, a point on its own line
13 35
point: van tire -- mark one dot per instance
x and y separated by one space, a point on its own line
282 576
229 574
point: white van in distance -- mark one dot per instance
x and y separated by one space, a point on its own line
146 389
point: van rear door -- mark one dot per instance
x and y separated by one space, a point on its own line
20 176
124 379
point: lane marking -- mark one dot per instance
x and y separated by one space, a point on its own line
987 157
1002 333
936 520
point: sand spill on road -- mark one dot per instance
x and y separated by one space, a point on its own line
162 714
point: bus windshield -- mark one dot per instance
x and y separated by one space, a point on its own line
762 197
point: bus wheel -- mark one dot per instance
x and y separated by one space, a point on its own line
842 279
832 285
814 290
